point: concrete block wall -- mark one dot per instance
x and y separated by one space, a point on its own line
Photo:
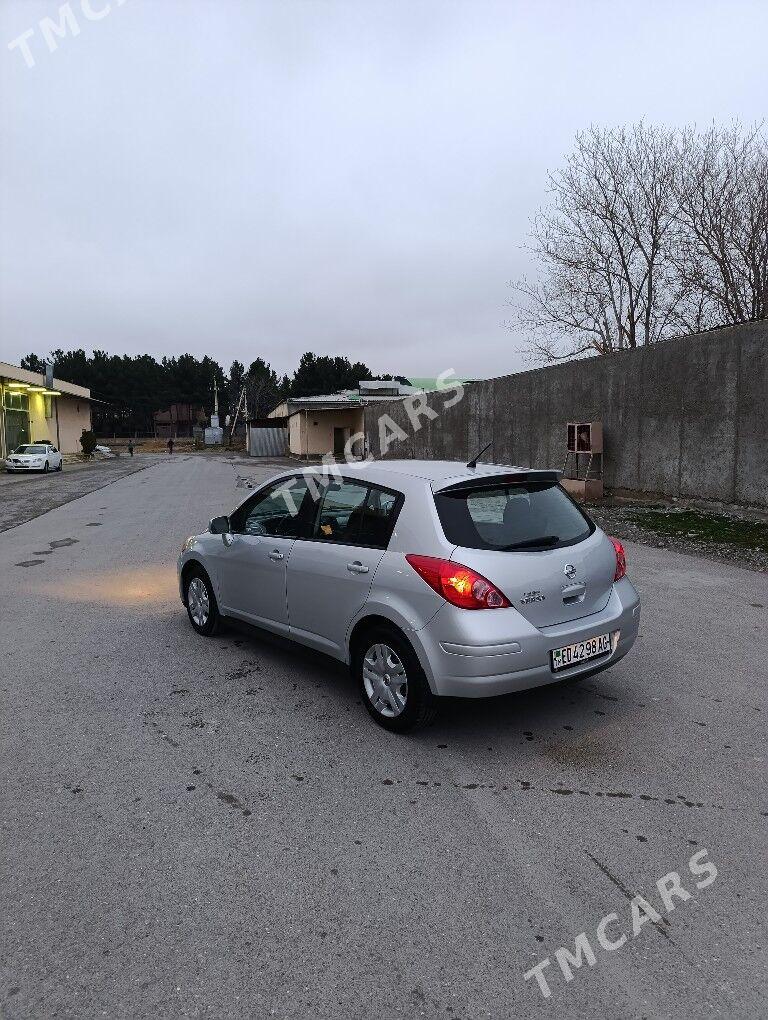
688 417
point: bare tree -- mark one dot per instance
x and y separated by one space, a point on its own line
650 232
720 248
604 284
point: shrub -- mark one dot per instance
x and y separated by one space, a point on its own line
88 443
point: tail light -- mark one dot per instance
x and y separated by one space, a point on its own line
621 559
458 584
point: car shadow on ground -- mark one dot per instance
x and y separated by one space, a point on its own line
575 712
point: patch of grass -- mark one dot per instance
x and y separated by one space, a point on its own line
703 527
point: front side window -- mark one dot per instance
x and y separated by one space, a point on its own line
534 515
353 513
276 511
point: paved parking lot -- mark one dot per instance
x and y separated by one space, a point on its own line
213 827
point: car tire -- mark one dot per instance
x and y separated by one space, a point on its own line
200 600
46 468
61 466
381 656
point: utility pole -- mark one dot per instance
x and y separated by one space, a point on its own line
247 426
215 415
243 398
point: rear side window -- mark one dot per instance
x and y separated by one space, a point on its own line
536 515
378 518
353 513
341 512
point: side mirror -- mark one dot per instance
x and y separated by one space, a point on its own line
219 526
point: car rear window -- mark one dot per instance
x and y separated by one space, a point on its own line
532 515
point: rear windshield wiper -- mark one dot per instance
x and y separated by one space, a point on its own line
538 543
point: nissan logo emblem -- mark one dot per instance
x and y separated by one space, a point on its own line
570 571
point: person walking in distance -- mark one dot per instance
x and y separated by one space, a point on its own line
170 445
130 447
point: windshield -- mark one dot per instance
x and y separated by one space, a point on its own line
525 516
29 449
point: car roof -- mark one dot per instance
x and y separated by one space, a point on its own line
438 472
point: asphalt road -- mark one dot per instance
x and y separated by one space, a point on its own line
24 496
202 827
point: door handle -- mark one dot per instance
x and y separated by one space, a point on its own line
276 555
357 568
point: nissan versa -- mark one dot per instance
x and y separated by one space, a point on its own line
430 579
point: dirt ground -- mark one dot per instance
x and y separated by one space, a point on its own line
728 534
152 445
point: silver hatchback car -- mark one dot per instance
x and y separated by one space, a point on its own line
429 578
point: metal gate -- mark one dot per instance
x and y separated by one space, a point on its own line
268 442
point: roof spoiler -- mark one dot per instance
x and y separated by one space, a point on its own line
503 478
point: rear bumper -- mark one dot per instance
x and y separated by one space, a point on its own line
519 658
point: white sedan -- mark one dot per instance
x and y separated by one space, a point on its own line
34 457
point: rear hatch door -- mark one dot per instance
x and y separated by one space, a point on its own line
551 586
525 534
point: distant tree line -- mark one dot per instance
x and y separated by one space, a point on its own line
650 232
132 388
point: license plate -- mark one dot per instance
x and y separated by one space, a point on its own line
570 655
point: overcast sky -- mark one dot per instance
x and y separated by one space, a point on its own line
251 178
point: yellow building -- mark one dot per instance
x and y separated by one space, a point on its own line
334 423
31 411
322 425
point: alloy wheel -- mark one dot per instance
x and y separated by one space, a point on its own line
198 601
385 680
